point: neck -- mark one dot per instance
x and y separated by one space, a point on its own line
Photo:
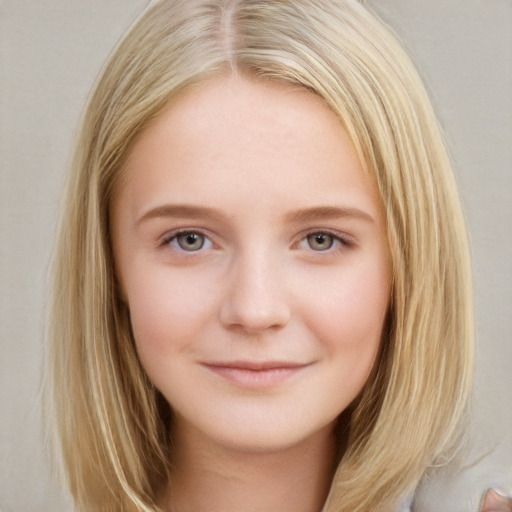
213 478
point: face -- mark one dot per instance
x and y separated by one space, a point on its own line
250 247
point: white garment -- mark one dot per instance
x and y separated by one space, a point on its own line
405 505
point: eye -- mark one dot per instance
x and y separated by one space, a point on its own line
320 241
325 241
189 241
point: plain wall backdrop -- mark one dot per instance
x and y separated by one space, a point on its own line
50 53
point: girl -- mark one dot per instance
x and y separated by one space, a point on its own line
261 282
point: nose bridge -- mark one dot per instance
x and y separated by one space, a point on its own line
256 297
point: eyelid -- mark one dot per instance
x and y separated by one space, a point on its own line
165 240
343 238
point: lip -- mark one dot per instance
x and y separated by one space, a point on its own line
255 375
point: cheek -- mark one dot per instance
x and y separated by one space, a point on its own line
348 315
166 314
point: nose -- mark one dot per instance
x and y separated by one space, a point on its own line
255 298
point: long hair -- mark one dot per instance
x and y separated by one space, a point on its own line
112 425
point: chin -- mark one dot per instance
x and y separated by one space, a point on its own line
256 437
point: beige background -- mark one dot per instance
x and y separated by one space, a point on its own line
50 52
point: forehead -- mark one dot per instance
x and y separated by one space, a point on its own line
239 137
242 108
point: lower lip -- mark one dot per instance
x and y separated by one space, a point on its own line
255 379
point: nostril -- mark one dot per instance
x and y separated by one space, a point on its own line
255 298
254 311
251 320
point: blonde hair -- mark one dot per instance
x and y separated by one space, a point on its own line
111 423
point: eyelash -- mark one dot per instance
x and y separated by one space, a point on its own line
338 241
175 235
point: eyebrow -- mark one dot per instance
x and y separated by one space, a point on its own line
301 215
180 210
327 212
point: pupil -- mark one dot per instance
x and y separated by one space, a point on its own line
320 241
191 241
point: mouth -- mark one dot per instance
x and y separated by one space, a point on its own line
255 375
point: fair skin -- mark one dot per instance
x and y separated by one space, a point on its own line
496 501
250 246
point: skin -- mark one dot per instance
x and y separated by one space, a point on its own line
250 246
496 501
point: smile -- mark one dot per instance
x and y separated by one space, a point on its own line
255 375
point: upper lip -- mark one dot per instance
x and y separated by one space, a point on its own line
255 365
